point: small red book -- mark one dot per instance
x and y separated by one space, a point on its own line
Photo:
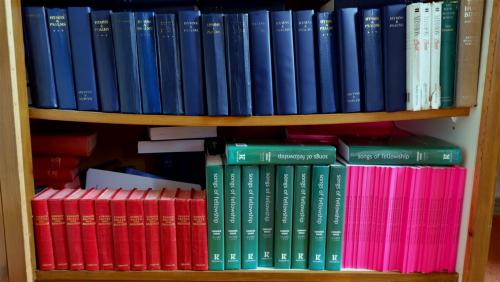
89 229
199 242
75 184
47 162
152 229
59 175
168 230
136 229
183 225
121 242
104 229
73 229
76 145
41 226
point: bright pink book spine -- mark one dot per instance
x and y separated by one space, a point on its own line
371 198
89 234
423 217
136 233
440 186
199 240
74 234
445 219
433 221
121 242
409 220
353 222
357 218
152 229
461 174
382 209
58 228
168 235
346 257
361 246
104 231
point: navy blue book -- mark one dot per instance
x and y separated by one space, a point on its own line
61 58
212 26
238 62
148 70
260 63
305 61
191 61
127 65
371 60
43 86
105 60
284 62
394 49
169 64
83 58
348 61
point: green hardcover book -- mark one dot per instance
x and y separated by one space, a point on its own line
215 212
232 217
250 216
251 154
283 213
319 205
300 235
448 52
266 215
399 150
335 225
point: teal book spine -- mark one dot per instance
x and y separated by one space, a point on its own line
283 213
232 217
215 212
301 199
250 216
319 204
267 175
335 225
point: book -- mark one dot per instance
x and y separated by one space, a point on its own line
74 229
89 229
214 53
267 175
250 216
61 174
305 67
283 62
136 229
61 57
300 225
435 46
42 229
121 236
283 217
58 228
104 229
448 52
425 55
74 184
215 211
238 64
83 58
182 132
46 162
152 229
185 167
64 145
199 249
413 50
149 147
232 217
168 230
183 229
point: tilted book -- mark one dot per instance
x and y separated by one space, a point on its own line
232 217
283 217
250 216
301 200
215 212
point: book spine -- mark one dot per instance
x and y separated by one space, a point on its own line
413 19
89 235
136 234
121 242
74 234
59 239
284 66
199 234
301 200
448 52
250 216
215 213
183 232
152 233
435 92
425 56
232 217
54 174
168 235
335 225
104 231
255 154
43 235
399 156
283 213
51 163
267 175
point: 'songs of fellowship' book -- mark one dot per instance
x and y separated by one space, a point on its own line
335 225
250 216
232 217
300 232
215 212
267 192
283 217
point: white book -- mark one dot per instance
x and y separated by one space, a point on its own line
182 132
435 91
413 13
173 146
425 56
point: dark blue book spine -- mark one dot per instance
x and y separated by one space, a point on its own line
284 62
394 49
83 58
169 64
212 26
260 63
148 69
348 62
61 58
43 85
105 60
305 61
371 57
238 61
327 63
127 69
191 61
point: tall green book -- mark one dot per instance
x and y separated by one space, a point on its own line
267 177
283 213
232 217
215 211
319 205
448 52
250 216
300 235
336 207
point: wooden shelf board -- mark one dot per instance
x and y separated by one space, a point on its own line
277 120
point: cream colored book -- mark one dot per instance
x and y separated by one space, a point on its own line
424 56
413 18
435 99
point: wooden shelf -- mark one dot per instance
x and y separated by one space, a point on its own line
343 118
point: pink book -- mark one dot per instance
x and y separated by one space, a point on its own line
380 172
409 175
391 207
445 219
457 215
359 219
410 221
395 220
367 218
423 216
347 219
434 220
419 208
373 213
384 212
440 185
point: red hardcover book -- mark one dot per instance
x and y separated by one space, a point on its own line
46 162
77 145
104 229
121 242
73 229
59 175
183 225
89 229
199 246
75 184
136 229
58 227
168 236
41 226
152 229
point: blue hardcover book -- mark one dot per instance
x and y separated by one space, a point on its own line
284 62
394 46
371 60
212 26
83 58
169 64
327 63
191 56
238 61
260 63
127 65
61 58
42 81
148 70
105 60
349 68
305 61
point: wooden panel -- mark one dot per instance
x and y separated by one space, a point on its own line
4 272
